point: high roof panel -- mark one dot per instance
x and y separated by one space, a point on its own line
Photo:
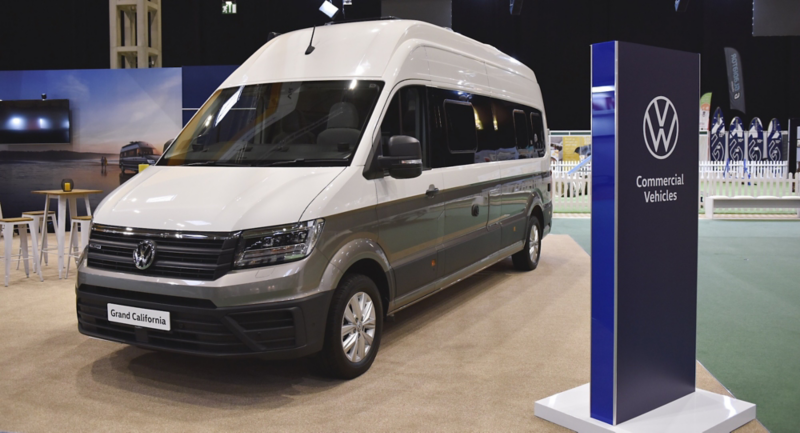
357 50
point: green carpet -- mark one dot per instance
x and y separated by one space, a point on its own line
578 228
748 318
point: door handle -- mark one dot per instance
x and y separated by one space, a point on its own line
432 191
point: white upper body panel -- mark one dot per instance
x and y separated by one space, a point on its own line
228 199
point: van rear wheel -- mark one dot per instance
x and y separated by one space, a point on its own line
354 327
528 258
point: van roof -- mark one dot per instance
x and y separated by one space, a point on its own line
359 50
136 145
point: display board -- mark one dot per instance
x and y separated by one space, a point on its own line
774 141
755 141
736 141
717 145
644 229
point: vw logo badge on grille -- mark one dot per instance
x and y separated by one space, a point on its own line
660 127
144 254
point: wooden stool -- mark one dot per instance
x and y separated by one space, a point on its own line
76 248
41 223
8 225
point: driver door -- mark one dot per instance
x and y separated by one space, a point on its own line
410 211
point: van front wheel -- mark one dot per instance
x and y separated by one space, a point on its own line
353 330
528 258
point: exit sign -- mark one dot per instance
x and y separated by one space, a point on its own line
228 7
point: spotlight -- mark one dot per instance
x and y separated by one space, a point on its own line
328 9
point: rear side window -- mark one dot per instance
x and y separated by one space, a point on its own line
537 132
521 129
460 119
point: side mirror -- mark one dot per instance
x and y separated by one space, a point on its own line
404 157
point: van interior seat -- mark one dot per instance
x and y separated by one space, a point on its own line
342 129
293 131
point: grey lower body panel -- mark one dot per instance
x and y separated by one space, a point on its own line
449 280
548 218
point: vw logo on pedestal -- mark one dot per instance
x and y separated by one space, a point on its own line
144 254
660 127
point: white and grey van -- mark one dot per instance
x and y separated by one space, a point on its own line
327 183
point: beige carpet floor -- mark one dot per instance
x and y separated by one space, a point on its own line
473 358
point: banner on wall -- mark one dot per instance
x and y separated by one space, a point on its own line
111 109
572 146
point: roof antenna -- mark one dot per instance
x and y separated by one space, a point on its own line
310 48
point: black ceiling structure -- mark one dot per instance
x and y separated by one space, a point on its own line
551 36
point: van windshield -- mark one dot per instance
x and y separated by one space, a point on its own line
311 123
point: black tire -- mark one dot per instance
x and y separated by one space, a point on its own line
332 359
524 260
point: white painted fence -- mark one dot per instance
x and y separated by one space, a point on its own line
571 192
742 169
750 186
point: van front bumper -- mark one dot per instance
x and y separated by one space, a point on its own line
275 330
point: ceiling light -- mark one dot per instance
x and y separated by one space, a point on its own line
328 9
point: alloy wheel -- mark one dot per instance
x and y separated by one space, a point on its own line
533 242
358 327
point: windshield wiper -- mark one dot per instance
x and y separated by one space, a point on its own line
305 161
219 164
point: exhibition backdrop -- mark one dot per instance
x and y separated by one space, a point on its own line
110 108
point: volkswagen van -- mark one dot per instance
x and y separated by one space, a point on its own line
135 153
339 175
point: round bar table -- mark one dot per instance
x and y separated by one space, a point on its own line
64 197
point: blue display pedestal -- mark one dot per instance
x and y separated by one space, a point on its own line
644 244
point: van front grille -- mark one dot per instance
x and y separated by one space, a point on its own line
195 256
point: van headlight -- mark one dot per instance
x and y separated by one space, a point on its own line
272 245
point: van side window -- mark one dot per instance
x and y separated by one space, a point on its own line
537 132
404 117
505 135
486 126
460 119
521 130
391 121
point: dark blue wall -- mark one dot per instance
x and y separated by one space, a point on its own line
199 82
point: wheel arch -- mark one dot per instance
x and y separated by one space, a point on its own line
537 207
363 256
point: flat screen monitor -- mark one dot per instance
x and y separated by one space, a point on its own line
35 121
